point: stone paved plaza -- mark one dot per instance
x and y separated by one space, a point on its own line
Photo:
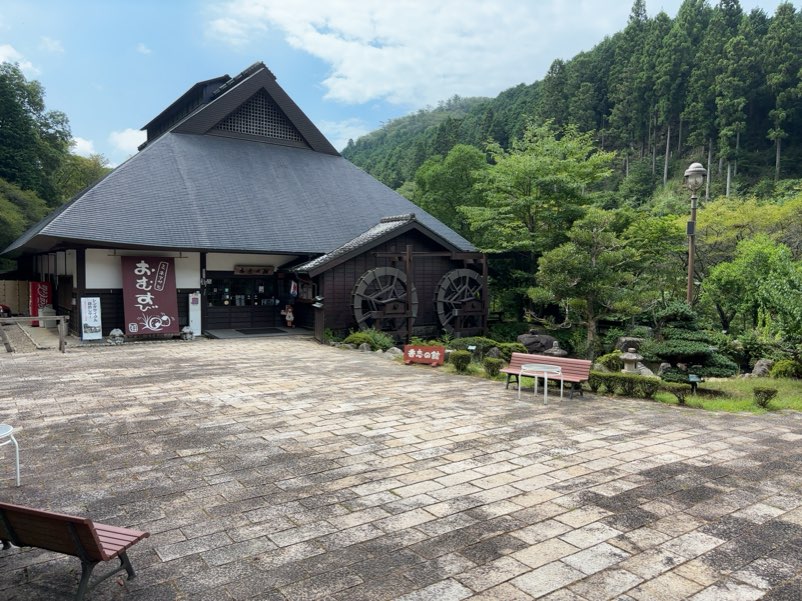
277 468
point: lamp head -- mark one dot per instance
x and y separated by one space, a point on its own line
695 176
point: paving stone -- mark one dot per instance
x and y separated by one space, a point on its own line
547 578
447 590
728 591
608 584
491 574
256 482
596 558
666 587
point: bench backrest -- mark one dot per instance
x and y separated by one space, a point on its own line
574 369
26 527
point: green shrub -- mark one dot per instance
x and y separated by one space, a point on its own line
630 385
674 374
716 366
647 387
357 338
763 396
481 343
595 381
627 383
508 331
787 368
682 351
461 360
508 348
677 389
492 366
611 361
375 338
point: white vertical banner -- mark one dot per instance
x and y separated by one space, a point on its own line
91 328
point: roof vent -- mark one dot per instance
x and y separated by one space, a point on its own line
261 116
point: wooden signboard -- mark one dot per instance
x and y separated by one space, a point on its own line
431 355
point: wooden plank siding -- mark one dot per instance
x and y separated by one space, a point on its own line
338 283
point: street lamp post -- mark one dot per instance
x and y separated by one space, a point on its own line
694 179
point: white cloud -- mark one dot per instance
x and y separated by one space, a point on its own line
83 147
127 141
339 132
9 54
142 49
51 45
417 52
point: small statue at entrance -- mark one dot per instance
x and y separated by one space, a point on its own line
288 316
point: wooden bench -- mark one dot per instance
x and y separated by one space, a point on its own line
70 535
574 371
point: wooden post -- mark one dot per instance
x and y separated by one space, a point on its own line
62 336
6 341
408 297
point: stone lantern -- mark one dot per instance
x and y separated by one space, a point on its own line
555 350
630 359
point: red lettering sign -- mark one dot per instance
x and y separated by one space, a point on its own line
38 299
149 296
432 355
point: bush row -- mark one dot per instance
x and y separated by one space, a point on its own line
631 385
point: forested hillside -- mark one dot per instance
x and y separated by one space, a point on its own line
573 185
713 83
37 170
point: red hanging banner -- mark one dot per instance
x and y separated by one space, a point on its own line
149 295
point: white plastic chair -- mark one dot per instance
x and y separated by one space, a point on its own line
6 431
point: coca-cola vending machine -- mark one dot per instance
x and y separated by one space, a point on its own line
40 297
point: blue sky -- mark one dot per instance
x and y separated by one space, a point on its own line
350 65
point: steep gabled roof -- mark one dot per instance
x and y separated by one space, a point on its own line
205 185
387 228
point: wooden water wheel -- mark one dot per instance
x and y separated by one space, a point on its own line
460 302
380 300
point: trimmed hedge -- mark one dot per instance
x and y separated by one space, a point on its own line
460 360
481 343
492 366
763 396
677 389
631 385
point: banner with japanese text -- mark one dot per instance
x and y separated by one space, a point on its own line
91 326
149 295
40 297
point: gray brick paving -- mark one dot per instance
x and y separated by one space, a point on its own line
281 469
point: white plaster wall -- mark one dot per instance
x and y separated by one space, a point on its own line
103 267
71 267
226 262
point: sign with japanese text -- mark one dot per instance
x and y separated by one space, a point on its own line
39 298
149 296
431 355
91 327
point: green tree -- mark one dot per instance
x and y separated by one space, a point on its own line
534 191
444 185
19 209
33 142
782 54
736 83
762 282
77 172
674 63
590 276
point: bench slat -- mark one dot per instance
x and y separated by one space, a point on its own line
49 530
573 370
